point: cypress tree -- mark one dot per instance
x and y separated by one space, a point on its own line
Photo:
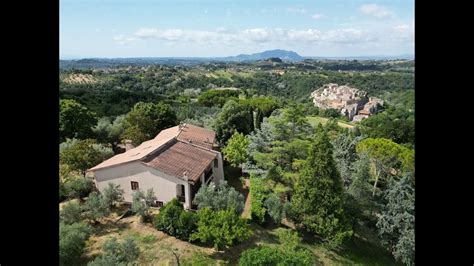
318 198
258 118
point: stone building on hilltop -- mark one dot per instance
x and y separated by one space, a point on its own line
351 102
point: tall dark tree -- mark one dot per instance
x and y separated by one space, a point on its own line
318 198
396 225
146 120
75 120
233 117
258 118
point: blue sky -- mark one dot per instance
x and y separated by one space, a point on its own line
146 28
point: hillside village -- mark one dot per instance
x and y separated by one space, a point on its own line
351 102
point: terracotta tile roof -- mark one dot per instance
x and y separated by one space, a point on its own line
182 157
141 151
197 135
188 133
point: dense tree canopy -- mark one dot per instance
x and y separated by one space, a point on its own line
217 97
84 154
146 120
234 117
75 120
396 124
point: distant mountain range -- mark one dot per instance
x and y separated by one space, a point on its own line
282 54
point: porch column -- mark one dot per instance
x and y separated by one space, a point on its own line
187 194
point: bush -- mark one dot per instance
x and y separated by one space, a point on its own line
260 256
112 194
116 253
79 188
221 228
221 197
175 221
72 239
288 253
258 193
95 207
166 220
186 225
71 213
275 208
142 202
106 260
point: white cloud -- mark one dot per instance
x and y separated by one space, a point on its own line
318 16
296 10
123 39
376 11
251 36
404 32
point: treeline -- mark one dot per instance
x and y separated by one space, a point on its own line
115 92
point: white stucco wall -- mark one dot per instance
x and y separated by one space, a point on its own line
163 185
147 177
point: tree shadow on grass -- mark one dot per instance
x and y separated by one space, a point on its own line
361 251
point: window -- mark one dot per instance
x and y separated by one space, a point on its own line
216 163
159 203
134 185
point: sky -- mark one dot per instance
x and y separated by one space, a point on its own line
205 28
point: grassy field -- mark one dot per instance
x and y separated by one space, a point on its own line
315 120
223 74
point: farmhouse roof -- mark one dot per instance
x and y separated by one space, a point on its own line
197 137
182 157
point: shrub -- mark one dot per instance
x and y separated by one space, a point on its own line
112 194
288 253
260 256
95 207
116 253
258 193
220 197
221 228
79 188
71 213
142 202
72 239
275 208
175 221
186 225
167 219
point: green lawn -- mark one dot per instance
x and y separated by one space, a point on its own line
315 120
223 74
